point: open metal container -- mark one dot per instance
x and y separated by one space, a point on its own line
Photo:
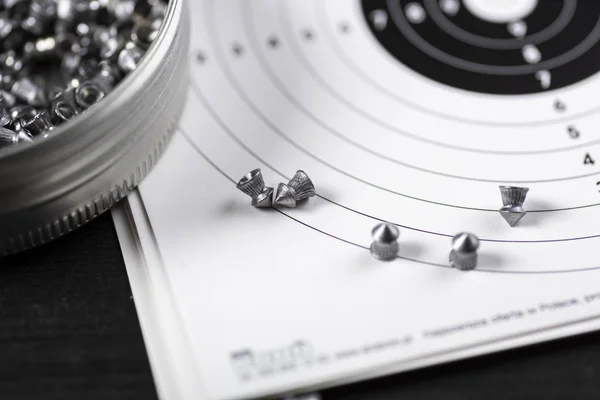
54 185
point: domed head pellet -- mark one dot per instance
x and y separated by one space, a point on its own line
385 245
463 255
512 199
143 34
300 187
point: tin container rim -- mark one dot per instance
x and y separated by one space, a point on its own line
171 17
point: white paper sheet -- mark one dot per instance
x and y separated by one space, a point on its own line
276 301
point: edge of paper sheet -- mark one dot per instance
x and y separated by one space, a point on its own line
175 372
173 369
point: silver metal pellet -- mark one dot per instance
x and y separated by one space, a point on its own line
38 125
463 255
8 137
299 188
88 94
86 47
385 245
62 111
513 198
27 91
130 57
72 165
253 185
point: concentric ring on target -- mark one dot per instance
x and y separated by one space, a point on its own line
526 67
519 57
225 108
468 139
564 17
281 87
246 97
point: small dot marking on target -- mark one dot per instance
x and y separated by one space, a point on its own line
531 54
415 13
492 46
200 57
308 35
379 19
545 78
238 49
450 7
573 132
235 95
344 27
273 42
518 29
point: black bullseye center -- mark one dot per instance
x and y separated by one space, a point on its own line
562 46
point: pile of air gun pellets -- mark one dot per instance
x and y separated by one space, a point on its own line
60 57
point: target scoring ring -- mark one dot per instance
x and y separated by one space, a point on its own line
530 137
428 42
519 29
241 130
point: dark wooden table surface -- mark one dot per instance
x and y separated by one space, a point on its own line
69 330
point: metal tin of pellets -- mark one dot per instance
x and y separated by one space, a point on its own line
50 186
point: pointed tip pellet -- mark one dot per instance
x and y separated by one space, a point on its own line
265 199
512 215
285 196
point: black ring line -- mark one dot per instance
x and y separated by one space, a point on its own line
265 120
396 15
442 21
297 52
224 174
403 25
199 94
202 99
330 39
220 58
480 270
257 49
536 20
426 49
233 82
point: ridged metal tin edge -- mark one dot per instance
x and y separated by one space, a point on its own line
83 214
